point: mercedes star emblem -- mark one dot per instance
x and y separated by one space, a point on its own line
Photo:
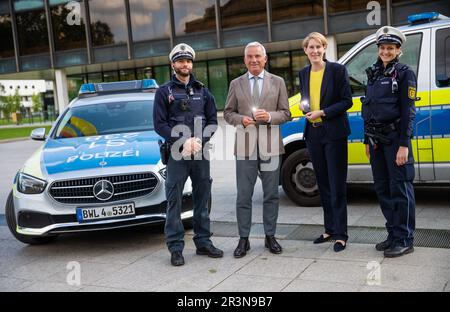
103 190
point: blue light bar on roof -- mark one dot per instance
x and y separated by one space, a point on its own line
118 86
87 88
423 17
149 84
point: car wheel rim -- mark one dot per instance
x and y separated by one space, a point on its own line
304 178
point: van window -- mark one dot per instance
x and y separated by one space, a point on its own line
368 55
443 57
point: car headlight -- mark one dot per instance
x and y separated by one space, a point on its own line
163 172
30 185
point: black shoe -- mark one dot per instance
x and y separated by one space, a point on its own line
273 245
321 239
210 251
398 251
338 246
383 245
177 258
242 248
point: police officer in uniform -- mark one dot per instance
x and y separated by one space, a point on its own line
183 108
388 111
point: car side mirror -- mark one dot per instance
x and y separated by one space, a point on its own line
38 134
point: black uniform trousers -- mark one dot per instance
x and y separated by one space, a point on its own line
394 188
330 162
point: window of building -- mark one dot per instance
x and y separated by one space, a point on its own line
127 74
242 13
195 23
443 57
200 70
339 6
343 48
149 19
95 77
243 22
108 22
236 67
299 61
144 73
111 76
280 65
218 81
68 26
73 85
162 74
284 10
7 46
7 61
31 26
192 16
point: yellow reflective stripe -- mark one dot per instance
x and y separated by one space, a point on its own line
33 164
440 96
357 153
441 146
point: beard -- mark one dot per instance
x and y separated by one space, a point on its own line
182 73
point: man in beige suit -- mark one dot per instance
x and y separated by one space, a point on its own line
256 105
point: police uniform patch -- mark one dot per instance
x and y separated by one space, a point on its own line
412 92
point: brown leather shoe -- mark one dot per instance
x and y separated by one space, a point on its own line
273 245
242 248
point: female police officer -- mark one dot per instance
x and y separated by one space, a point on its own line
388 111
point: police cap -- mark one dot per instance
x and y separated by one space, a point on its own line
388 34
182 51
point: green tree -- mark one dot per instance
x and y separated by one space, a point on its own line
10 104
36 101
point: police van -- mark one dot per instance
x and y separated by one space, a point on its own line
99 168
427 53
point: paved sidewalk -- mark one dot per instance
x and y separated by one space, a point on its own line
137 260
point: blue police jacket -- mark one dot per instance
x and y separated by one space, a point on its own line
191 105
390 97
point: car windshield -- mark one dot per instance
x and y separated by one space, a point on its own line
106 118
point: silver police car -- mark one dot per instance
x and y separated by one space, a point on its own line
99 168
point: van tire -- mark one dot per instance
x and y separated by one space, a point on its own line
12 225
299 180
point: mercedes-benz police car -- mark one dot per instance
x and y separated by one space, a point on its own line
427 52
99 168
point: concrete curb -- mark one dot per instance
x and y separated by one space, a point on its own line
14 140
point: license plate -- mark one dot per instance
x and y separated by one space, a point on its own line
105 212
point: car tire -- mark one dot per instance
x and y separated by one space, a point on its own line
299 180
189 223
12 225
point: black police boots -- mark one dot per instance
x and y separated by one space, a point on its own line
177 258
398 251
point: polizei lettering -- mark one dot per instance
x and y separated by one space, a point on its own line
103 155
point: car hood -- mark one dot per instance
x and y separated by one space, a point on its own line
125 149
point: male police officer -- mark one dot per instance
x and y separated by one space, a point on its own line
388 111
183 108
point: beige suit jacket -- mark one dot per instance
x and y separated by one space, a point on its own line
273 99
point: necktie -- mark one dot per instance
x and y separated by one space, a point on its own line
255 92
